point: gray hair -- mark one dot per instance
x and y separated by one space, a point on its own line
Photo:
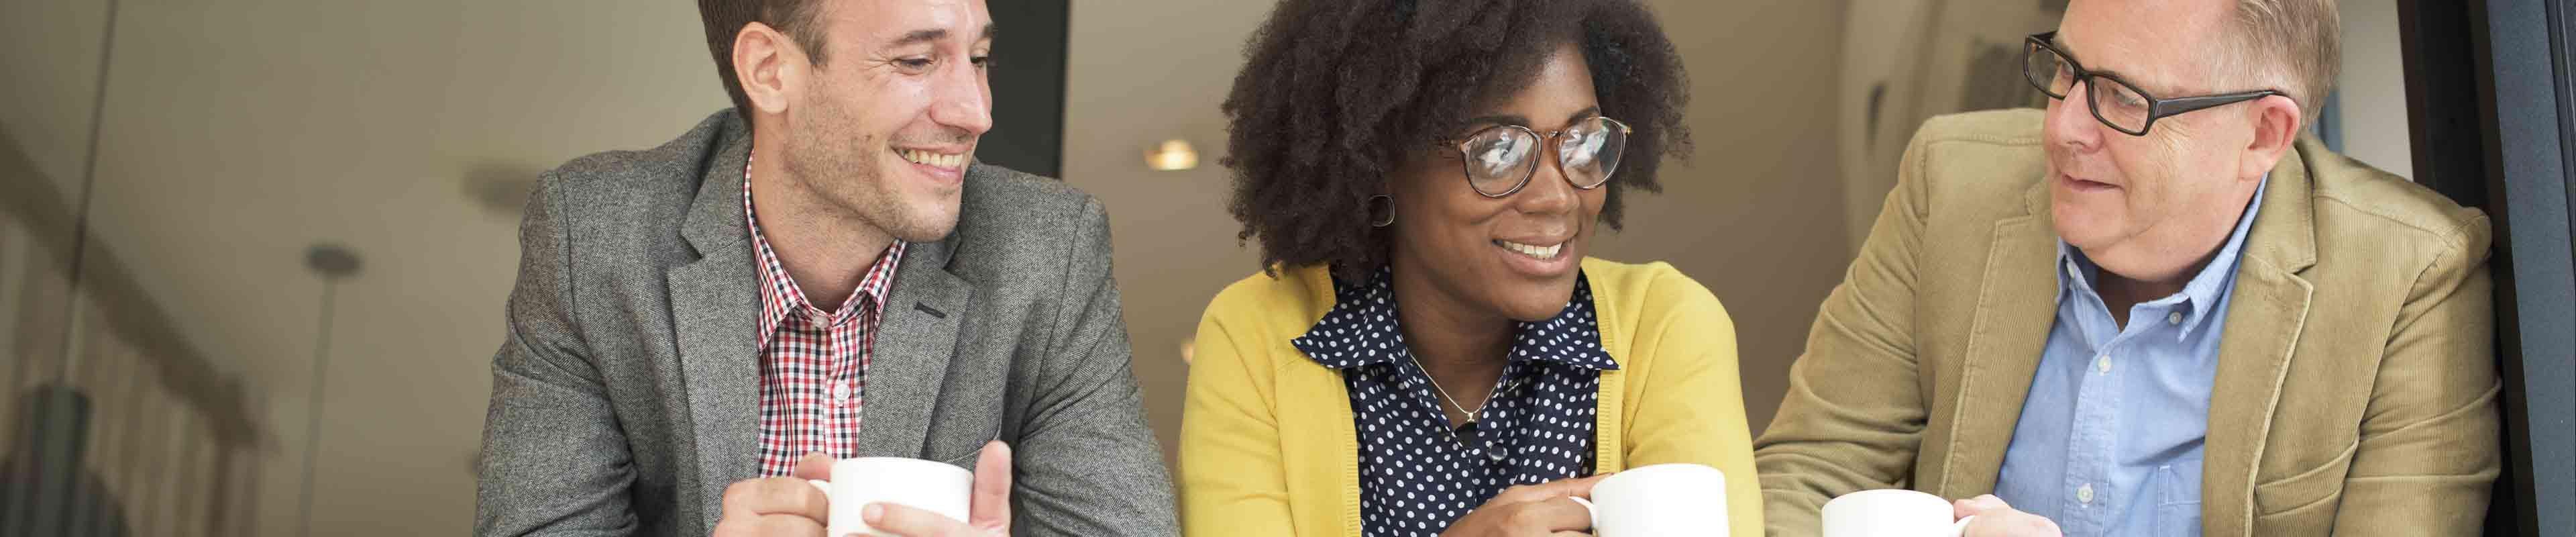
2294 45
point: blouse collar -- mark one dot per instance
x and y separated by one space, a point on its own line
1361 329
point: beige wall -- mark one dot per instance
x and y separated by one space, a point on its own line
1922 58
2373 88
1139 72
1755 213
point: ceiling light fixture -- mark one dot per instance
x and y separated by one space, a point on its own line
1172 155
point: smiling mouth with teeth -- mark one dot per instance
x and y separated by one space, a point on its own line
927 158
1536 252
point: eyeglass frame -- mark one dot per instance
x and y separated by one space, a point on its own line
1546 142
2157 108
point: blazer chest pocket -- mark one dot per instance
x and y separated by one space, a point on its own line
2314 490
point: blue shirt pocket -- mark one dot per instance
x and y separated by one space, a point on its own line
2178 499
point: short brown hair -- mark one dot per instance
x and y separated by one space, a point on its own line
724 18
2295 43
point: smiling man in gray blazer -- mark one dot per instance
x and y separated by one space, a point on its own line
821 272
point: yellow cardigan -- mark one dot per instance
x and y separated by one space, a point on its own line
1267 444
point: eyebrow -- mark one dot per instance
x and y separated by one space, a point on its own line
1588 111
1511 119
935 34
2059 41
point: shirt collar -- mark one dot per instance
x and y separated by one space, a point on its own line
2198 296
1361 329
780 297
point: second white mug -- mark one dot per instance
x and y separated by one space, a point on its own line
932 486
1891 513
1657 500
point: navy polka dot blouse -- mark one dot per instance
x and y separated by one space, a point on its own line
1416 474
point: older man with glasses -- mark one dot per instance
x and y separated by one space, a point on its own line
2154 308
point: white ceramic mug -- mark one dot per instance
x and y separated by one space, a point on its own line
932 486
1891 513
1662 499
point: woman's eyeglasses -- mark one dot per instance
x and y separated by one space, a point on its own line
1501 159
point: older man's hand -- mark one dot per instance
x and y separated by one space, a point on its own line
1997 519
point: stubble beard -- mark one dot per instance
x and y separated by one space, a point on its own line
846 170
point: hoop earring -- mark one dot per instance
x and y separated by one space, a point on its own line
1378 218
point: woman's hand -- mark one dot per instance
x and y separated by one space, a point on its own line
1542 510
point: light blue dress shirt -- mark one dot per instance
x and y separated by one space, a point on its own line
2109 441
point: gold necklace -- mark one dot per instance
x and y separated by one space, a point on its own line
1472 415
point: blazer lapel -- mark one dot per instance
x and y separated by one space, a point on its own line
2265 315
914 344
715 307
2015 308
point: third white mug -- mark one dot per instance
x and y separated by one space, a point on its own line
1891 513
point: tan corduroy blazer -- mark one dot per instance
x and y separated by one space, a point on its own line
2356 387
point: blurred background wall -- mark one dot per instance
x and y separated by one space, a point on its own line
217 216
235 136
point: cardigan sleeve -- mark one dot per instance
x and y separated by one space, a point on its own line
1233 475
1685 403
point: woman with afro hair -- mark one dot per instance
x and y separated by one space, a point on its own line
1427 350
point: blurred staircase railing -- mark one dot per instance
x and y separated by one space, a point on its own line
119 425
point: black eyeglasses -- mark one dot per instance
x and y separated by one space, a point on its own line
1501 159
2115 102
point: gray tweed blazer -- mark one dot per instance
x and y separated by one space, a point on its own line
626 395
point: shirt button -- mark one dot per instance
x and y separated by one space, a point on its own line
841 392
2102 363
2084 494
2173 318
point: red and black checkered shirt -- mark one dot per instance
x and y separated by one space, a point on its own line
813 363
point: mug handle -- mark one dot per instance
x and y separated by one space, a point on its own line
826 486
1961 527
1590 512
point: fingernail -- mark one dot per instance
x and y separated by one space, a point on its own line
872 513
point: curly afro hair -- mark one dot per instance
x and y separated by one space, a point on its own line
1337 94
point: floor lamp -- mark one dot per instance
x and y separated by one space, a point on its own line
333 263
